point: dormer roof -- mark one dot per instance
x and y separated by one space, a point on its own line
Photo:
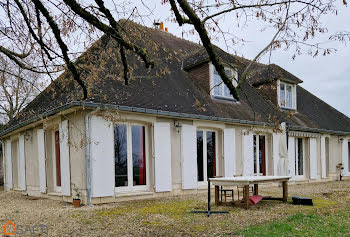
258 74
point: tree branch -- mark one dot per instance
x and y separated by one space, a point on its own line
203 34
142 52
62 45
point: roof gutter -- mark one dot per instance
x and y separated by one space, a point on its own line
86 104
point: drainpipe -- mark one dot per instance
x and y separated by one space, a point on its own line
287 133
87 157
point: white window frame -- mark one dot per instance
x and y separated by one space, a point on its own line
56 188
222 85
205 157
131 187
298 176
294 97
257 154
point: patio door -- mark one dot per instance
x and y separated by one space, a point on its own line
299 157
206 154
259 155
57 163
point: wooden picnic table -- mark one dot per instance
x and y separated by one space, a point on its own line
245 181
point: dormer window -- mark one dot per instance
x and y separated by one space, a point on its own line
286 95
218 88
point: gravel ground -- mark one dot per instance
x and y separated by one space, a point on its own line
166 216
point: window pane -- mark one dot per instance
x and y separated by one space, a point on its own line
217 81
120 156
138 155
300 157
262 167
200 155
254 147
58 159
211 154
289 97
282 95
226 91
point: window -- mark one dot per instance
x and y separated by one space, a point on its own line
57 159
286 95
299 157
260 163
219 88
130 155
206 154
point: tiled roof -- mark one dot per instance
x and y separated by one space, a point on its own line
168 87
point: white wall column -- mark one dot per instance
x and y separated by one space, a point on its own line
21 164
275 152
248 154
42 159
313 158
101 157
345 156
65 160
189 157
9 164
323 158
291 156
162 152
229 152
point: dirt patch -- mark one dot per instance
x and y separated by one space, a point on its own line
165 216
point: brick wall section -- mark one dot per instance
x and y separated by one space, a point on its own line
269 91
200 75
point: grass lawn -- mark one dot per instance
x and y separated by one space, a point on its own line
304 225
330 216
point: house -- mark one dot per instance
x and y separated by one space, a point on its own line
170 129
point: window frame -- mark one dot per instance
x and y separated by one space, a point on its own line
205 154
293 95
57 189
222 86
131 187
257 143
296 173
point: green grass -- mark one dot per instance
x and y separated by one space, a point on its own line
336 224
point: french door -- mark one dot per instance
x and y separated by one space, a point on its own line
206 154
299 157
259 155
130 159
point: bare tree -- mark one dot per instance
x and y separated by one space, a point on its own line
17 88
48 28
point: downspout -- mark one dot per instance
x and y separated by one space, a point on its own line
87 157
287 133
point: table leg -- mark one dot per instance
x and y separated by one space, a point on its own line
246 197
285 191
256 189
216 195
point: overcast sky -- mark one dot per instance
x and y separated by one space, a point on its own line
327 77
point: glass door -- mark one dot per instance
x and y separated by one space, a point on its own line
206 154
299 157
259 155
